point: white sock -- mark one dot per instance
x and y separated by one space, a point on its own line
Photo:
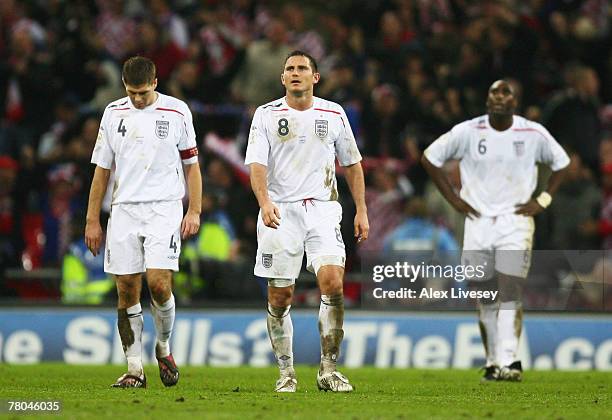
509 325
130 324
280 330
331 318
487 318
163 315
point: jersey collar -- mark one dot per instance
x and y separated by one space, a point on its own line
152 106
314 104
507 130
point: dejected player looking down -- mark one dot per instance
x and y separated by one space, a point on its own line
149 139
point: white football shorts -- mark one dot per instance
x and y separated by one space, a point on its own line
310 225
501 244
143 235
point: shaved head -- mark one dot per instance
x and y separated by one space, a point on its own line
501 99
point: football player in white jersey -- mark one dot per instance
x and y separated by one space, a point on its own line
149 140
292 148
498 153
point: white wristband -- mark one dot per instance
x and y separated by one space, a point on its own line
544 199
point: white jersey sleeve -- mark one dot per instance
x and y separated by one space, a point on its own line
103 154
450 145
258 146
345 145
549 151
187 143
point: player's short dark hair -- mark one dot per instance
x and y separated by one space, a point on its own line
138 71
297 53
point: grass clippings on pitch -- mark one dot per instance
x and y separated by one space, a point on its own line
205 392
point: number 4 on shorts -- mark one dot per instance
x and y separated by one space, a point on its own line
173 244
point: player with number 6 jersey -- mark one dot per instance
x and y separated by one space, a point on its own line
498 153
149 141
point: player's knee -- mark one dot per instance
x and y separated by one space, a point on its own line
330 279
128 289
490 285
332 287
160 291
510 288
280 294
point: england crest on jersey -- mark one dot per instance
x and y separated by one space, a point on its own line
321 128
266 260
519 148
162 128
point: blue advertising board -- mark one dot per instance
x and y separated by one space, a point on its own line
232 338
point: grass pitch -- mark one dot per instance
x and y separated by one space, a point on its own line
246 393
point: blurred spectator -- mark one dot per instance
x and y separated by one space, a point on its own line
170 23
258 80
155 44
392 42
108 84
340 84
229 196
440 211
84 281
512 47
16 144
383 121
185 83
60 205
26 86
79 147
418 233
575 207
604 225
384 197
116 33
11 211
417 240
50 147
572 116
225 32
300 38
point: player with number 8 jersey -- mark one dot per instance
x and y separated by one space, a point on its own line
149 140
292 149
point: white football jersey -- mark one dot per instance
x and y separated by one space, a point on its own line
300 148
498 168
147 147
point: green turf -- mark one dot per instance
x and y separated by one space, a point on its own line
246 393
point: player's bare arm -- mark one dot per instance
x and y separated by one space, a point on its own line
269 212
439 178
355 180
191 222
533 206
93 230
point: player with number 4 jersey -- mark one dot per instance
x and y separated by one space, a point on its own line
149 141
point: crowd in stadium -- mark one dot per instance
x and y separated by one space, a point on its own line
405 71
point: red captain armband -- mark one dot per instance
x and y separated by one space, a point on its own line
189 153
